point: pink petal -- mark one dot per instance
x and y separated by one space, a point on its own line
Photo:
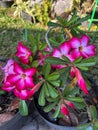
21 48
76 53
24 94
30 72
64 110
24 60
65 48
8 87
70 57
89 51
84 40
29 82
75 42
21 84
17 68
72 72
13 78
83 86
81 81
56 53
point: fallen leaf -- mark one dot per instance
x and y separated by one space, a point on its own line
5 117
14 105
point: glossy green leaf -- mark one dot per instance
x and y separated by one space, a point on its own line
82 67
75 99
55 60
85 64
50 107
23 109
46 90
78 60
80 106
53 76
57 111
53 92
41 99
62 21
55 83
35 63
66 59
46 69
52 24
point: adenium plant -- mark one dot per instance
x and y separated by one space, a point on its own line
58 75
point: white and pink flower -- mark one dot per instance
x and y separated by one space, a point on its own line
81 47
23 53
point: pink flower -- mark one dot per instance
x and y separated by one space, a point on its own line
64 49
80 47
81 82
9 68
64 110
23 53
22 78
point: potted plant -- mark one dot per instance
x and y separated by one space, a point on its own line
56 75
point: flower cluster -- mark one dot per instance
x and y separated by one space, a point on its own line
25 78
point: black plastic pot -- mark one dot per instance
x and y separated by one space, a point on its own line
54 123
15 123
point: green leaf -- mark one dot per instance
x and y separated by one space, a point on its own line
66 91
55 60
73 19
62 21
93 112
52 24
57 111
80 106
83 126
41 99
85 64
50 107
2 92
66 59
23 109
75 99
42 46
96 124
46 69
64 76
78 60
53 76
53 92
46 90
55 83
35 63
96 59
82 67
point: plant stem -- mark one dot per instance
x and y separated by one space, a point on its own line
68 33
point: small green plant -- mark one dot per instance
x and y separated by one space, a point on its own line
23 6
43 11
